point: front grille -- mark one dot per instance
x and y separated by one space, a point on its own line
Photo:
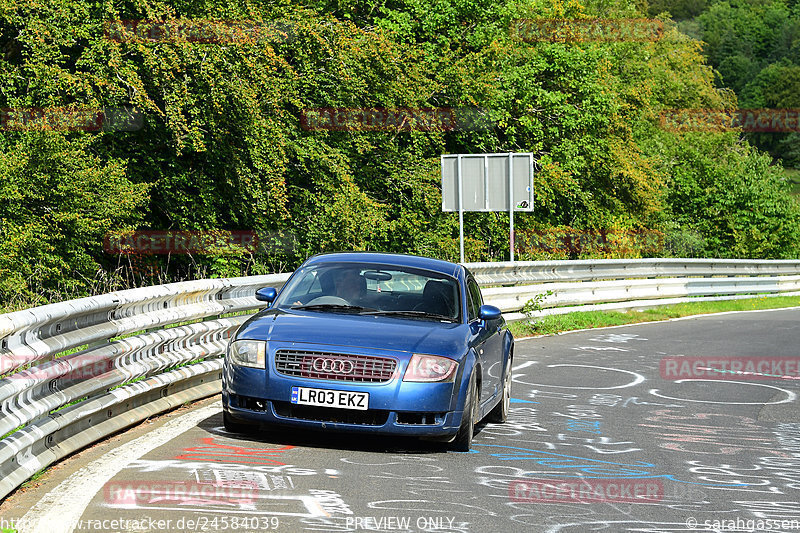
370 417
335 366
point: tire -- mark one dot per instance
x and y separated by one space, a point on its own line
463 439
499 414
231 426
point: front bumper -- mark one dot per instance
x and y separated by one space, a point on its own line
254 396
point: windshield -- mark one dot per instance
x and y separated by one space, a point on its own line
373 289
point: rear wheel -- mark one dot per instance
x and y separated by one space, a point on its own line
500 412
463 438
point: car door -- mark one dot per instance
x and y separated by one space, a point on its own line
486 341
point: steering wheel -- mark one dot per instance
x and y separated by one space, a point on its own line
424 306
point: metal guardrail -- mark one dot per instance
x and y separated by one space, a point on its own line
524 272
142 351
589 285
127 347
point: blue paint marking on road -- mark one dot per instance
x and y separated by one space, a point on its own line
517 400
584 425
588 468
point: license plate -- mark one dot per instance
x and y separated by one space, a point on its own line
330 398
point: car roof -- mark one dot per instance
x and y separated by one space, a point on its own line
414 261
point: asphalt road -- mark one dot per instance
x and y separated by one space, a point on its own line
619 429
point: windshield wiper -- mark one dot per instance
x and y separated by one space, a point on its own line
333 307
413 314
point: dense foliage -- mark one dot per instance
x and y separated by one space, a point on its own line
222 145
754 46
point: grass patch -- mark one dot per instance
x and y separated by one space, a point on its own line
34 478
73 402
11 433
597 319
161 372
240 313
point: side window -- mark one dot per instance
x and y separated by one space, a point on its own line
475 300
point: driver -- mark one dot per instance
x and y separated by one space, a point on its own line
350 285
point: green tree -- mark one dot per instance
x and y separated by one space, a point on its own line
224 146
59 200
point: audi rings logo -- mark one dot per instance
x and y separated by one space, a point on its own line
333 366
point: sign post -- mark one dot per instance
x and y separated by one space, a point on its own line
487 182
460 212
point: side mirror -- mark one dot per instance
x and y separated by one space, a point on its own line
489 312
266 294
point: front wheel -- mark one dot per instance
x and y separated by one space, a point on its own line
500 412
231 426
463 438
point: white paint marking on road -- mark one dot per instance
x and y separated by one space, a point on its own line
526 364
637 378
790 396
617 337
601 348
60 510
677 319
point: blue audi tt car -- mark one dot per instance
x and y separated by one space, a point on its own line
371 343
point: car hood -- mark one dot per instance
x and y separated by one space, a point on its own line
363 331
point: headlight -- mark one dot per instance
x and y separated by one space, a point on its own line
248 353
430 368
